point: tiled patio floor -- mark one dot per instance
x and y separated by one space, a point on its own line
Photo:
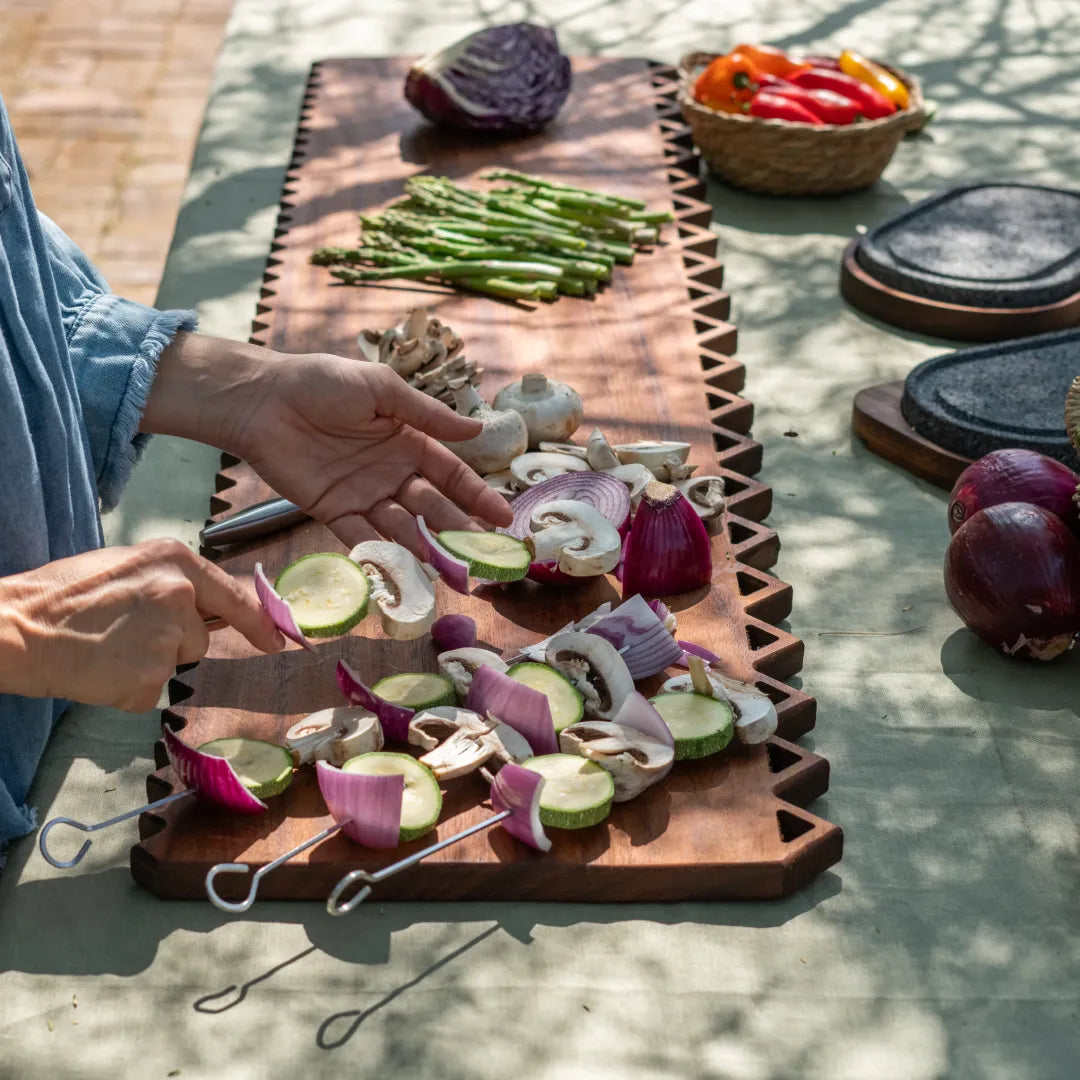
106 98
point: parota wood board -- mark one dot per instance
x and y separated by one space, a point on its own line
650 356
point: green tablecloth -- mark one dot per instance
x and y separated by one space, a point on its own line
947 942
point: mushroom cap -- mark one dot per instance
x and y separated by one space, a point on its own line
551 410
402 591
332 734
599 454
436 725
634 760
595 667
651 454
704 493
636 477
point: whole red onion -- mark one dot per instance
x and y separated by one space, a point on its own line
1015 475
1012 572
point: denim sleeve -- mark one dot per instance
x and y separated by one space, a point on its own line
114 346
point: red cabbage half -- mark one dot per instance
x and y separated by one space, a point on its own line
504 78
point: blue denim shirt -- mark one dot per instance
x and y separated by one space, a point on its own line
76 363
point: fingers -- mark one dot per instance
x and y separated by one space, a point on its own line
421 499
216 593
196 639
352 529
425 413
397 524
458 482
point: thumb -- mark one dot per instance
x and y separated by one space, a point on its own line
428 414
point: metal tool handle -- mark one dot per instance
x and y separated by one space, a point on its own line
66 864
258 520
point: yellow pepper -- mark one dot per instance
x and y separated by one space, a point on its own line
884 82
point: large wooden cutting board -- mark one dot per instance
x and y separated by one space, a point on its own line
651 358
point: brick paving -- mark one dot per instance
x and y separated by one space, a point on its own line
106 98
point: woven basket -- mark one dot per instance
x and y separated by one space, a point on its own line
784 158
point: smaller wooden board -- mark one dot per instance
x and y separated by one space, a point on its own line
954 321
878 421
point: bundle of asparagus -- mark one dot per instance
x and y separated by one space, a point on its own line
530 239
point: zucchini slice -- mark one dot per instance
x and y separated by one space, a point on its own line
567 704
264 768
421 801
576 793
490 555
701 725
416 690
327 593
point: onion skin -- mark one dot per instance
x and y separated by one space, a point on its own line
1015 475
1012 573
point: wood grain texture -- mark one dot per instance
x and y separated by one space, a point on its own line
650 356
877 420
955 321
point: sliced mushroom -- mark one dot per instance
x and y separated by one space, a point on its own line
531 469
550 409
399 586
459 666
503 483
334 735
504 436
458 741
673 470
576 535
705 494
417 348
636 477
599 453
564 448
633 760
652 455
595 667
433 726
755 714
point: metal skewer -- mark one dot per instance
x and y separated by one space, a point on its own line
62 864
333 904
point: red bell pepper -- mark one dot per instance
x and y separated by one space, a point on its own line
770 105
871 104
827 105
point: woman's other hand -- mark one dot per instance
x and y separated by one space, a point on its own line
109 627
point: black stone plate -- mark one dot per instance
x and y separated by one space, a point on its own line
986 245
1010 394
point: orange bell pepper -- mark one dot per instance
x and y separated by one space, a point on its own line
771 60
728 83
884 82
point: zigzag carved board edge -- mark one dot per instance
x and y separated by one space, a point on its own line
651 356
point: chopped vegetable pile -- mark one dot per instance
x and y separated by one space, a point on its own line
530 239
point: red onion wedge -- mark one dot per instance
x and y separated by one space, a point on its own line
1015 475
690 649
213 778
637 712
368 808
278 608
605 494
667 550
1012 572
394 718
517 789
640 636
664 614
454 632
526 710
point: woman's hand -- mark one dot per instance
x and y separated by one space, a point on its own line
109 627
348 441
355 446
